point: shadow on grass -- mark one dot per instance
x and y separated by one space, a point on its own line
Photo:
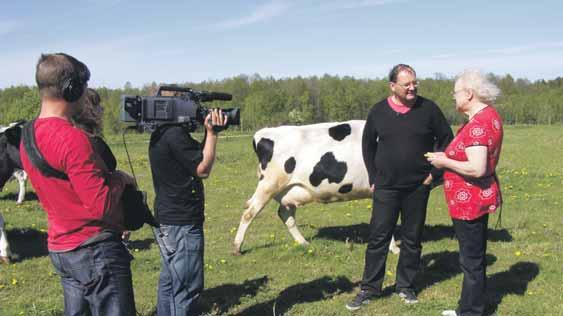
29 196
359 233
436 267
441 266
315 290
141 244
27 243
218 300
513 281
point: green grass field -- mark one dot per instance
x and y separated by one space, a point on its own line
525 275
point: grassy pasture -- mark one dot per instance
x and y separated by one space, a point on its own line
524 256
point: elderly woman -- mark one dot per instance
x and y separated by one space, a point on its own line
470 184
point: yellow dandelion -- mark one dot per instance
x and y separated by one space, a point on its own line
389 273
223 261
14 281
518 253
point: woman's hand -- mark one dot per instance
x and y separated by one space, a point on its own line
437 159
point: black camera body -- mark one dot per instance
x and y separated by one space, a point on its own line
182 108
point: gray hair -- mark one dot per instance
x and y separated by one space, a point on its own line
485 90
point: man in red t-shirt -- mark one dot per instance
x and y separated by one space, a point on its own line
83 211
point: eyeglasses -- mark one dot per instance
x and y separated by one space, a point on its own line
413 84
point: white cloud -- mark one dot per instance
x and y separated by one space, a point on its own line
261 13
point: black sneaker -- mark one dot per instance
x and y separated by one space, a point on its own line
363 297
408 296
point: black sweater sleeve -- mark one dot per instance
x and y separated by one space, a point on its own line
369 145
443 136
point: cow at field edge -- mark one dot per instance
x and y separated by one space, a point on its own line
10 162
303 164
10 165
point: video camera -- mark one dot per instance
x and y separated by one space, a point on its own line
184 107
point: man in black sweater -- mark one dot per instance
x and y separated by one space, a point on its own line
398 132
178 164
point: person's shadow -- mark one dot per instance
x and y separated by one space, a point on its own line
359 233
140 244
436 267
513 281
441 266
218 300
27 243
312 291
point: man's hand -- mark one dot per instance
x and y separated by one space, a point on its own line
428 180
372 188
215 118
125 235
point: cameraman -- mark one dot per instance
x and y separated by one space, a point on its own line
178 165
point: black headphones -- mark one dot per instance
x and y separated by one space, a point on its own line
73 87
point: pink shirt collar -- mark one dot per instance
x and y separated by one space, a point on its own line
399 108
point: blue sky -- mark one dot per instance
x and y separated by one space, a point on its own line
179 41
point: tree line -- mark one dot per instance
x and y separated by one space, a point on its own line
267 101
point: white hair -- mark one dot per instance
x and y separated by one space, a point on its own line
485 90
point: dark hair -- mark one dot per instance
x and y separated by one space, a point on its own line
397 69
54 69
90 117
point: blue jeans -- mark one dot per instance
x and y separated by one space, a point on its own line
181 274
96 279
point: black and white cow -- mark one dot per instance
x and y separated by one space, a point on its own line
10 162
303 164
10 166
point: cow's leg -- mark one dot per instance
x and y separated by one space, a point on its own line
4 247
21 176
260 198
287 215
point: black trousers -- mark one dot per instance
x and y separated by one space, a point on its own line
472 237
387 205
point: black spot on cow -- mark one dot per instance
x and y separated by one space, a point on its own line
261 177
339 132
328 168
264 151
345 188
289 165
